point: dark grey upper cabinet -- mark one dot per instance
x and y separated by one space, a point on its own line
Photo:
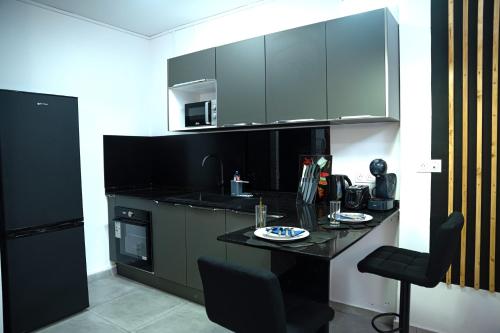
244 255
363 65
191 67
241 92
203 225
296 74
169 242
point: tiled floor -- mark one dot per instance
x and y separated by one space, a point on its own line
121 305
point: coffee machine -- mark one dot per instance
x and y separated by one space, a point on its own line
385 186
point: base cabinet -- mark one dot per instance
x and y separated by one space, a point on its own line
169 242
244 255
180 235
203 225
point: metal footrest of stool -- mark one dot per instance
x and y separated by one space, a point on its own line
385 315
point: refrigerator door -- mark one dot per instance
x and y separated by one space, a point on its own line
39 159
46 278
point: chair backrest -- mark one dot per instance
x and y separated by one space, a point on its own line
443 247
242 299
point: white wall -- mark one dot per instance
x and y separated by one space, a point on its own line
354 146
441 309
46 52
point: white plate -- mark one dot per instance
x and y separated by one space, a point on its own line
353 217
263 233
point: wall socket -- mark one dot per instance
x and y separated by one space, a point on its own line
364 178
429 166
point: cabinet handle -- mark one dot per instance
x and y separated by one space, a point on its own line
291 121
110 195
241 213
356 117
242 124
188 83
206 208
173 204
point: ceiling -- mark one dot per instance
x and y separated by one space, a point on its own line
145 17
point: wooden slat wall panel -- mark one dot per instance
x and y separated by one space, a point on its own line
469 42
494 147
465 133
479 142
451 113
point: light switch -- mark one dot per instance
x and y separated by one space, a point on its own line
429 166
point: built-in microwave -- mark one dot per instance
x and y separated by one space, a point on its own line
201 114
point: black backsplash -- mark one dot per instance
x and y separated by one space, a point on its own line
269 159
127 162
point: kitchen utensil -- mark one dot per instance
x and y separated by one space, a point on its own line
337 185
334 211
281 233
345 217
260 215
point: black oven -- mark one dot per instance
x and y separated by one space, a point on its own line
132 229
201 114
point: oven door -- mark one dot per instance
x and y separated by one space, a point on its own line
133 243
198 114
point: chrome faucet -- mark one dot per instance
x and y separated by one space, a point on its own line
221 182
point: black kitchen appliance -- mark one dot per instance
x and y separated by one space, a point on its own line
337 185
201 114
357 197
44 275
385 186
132 228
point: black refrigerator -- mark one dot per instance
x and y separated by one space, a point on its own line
44 275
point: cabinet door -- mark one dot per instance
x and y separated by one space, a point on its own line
356 65
296 74
245 255
191 67
169 242
111 227
203 225
241 93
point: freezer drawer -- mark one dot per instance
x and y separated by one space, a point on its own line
46 278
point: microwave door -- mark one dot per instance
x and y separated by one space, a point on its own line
207 113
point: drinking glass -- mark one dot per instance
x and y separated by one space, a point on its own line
334 211
260 216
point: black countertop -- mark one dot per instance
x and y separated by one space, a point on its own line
324 243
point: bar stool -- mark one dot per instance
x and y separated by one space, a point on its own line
412 267
247 300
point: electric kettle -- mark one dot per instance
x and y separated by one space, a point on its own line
337 187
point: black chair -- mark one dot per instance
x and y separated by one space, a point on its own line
249 300
423 269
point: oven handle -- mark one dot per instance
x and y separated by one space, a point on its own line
134 222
